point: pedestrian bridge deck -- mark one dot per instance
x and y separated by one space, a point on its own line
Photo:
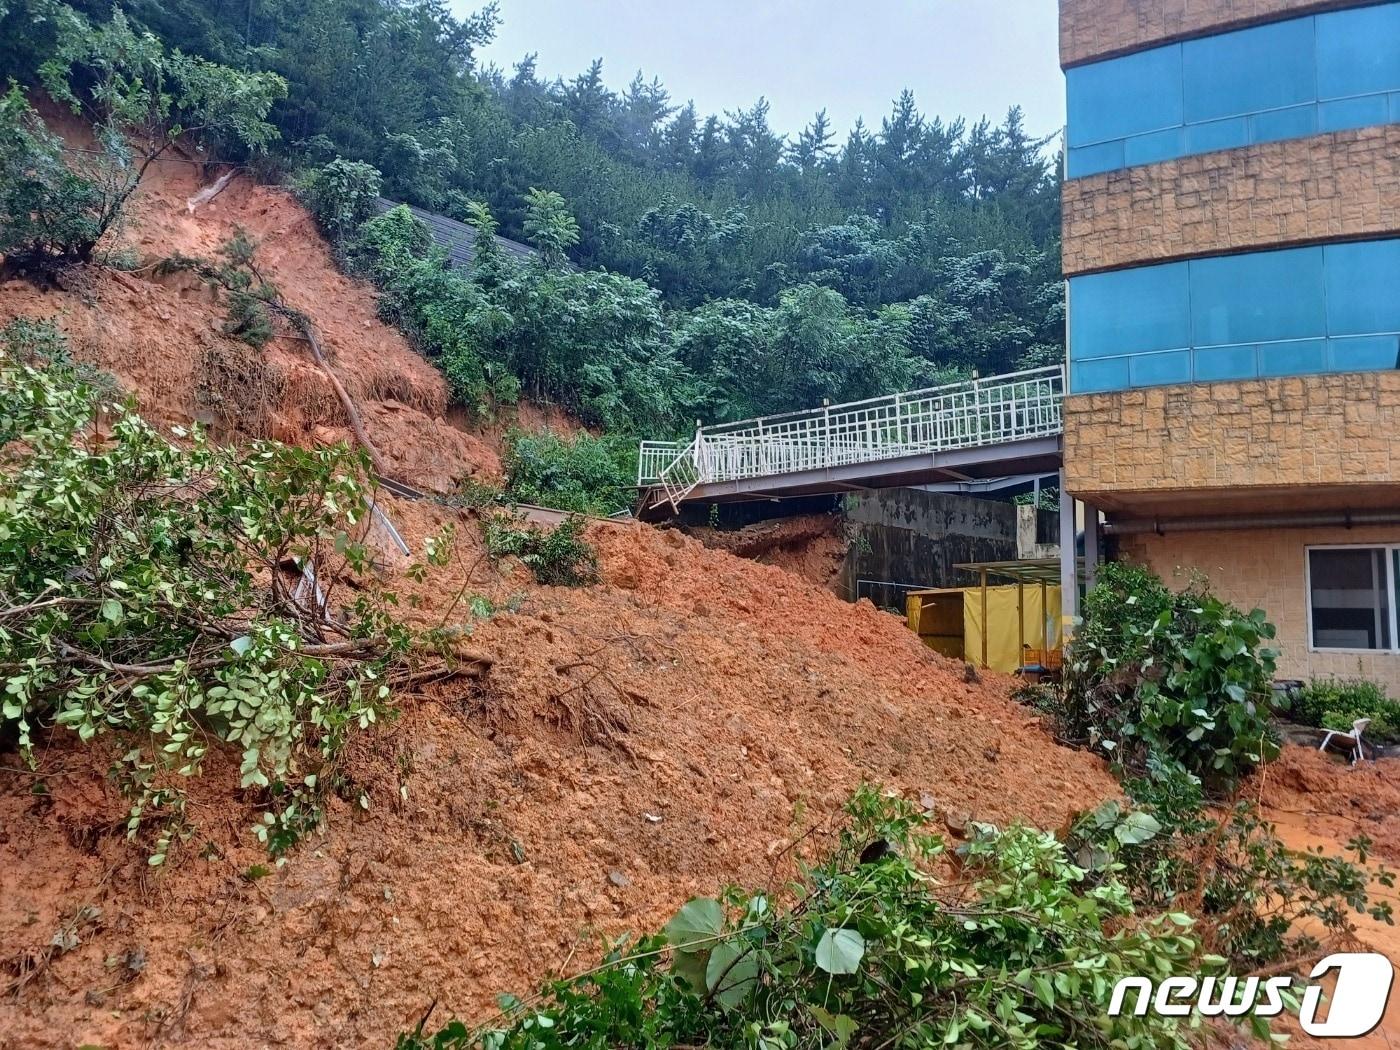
1009 424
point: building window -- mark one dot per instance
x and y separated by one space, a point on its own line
1352 597
1287 79
1255 315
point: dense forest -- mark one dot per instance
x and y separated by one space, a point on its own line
720 268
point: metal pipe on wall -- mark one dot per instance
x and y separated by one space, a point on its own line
1300 520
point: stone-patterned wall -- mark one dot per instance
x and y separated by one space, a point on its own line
1301 430
1346 184
1265 568
1094 29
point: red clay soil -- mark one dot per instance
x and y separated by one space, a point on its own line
810 546
1318 800
637 742
160 335
1333 799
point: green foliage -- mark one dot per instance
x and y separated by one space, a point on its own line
340 195
593 342
147 600
141 98
1022 952
911 253
48 213
549 225
558 557
1258 901
583 473
41 343
1177 677
1335 703
1049 499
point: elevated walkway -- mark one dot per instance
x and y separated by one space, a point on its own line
982 428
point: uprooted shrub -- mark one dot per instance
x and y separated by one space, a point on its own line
868 948
1258 900
252 298
557 556
1182 678
184 599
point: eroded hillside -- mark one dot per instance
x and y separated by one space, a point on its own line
654 736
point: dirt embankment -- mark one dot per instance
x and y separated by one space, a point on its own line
161 336
637 742
811 546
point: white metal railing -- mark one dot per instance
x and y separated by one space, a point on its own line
656 456
977 412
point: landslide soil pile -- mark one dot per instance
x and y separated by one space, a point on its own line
810 546
652 737
637 742
160 335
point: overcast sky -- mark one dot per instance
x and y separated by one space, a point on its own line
961 57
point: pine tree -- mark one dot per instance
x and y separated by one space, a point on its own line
813 148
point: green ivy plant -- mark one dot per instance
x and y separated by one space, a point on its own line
151 596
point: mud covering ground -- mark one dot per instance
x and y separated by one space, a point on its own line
811 546
638 742
1319 801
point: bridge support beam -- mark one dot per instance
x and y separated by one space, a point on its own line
1069 576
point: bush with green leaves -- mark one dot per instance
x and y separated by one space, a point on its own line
868 948
1258 900
582 473
1178 677
48 212
1335 703
160 595
141 98
557 556
340 195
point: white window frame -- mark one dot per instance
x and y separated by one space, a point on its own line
1392 583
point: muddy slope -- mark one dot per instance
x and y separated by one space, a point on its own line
637 742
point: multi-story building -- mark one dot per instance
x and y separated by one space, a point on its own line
1232 249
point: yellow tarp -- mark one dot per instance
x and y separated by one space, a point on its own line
1003 638
933 614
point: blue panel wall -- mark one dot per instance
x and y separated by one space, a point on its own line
1326 72
1295 311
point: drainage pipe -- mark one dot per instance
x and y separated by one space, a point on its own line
1313 519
